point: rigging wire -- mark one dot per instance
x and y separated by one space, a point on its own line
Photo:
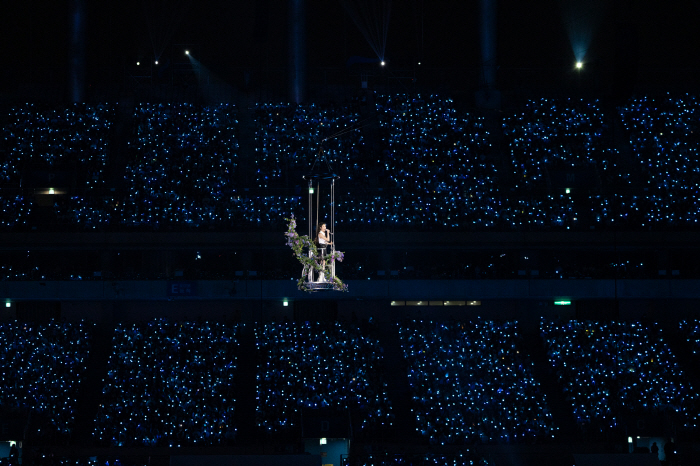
358 125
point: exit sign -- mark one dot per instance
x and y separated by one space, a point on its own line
182 288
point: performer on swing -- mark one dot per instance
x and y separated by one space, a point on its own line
322 241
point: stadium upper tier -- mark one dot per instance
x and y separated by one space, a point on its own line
407 162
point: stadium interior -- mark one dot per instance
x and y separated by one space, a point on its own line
519 241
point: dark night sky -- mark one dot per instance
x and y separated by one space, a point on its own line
230 35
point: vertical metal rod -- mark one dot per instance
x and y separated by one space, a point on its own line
333 223
318 194
311 206
310 213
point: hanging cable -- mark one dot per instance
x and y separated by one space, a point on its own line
311 206
332 235
372 19
318 193
358 125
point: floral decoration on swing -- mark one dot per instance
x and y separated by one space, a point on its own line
310 262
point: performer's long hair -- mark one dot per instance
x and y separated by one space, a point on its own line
318 232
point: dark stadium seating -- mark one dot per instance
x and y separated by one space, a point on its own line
42 366
471 384
169 384
319 366
610 369
414 162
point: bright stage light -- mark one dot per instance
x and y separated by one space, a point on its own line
383 63
156 62
138 63
579 65
187 52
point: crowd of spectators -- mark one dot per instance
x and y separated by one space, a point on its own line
551 142
45 459
169 384
408 161
692 329
68 146
665 137
182 160
91 212
269 211
461 458
436 157
41 369
611 369
319 366
43 138
14 210
550 134
41 145
175 383
470 383
228 263
289 138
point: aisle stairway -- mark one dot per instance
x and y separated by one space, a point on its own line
627 161
90 391
119 148
677 342
397 385
246 387
499 152
246 168
549 383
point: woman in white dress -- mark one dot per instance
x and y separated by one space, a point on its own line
322 241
